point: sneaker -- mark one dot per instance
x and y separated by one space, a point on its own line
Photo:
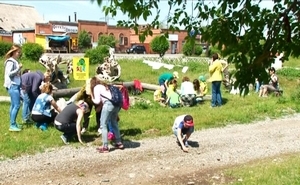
14 129
119 146
103 149
83 130
64 139
43 127
186 144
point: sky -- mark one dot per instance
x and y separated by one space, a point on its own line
60 10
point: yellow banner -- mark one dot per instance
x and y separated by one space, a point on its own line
81 68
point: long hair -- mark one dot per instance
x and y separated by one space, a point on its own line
95 81
12 50
174 83
196 85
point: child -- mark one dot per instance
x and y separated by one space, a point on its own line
198 92
182 128
203 85
174 99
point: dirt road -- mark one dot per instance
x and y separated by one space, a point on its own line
160 160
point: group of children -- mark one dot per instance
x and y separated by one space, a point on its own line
190 93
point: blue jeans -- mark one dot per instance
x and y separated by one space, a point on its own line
15 102
109 113
216 98
26 104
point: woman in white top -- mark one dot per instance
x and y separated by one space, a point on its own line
187 92
101 93
12 83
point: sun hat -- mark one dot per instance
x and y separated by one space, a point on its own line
13 49
175 73
202 78
188 119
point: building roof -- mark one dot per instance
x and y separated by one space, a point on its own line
17 17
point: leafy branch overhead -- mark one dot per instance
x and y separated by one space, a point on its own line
248 34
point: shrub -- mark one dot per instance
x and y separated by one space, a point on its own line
160 45
187 48
84 40
198 50
212 50
4 47
96 55
108 40
32 51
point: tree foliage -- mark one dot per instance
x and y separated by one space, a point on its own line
108 40
160 45
237 26
84 40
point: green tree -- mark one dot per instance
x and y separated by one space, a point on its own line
198 50
84 40
108 40
187 48
160 45
238 26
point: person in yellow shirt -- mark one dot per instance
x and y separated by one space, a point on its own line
215 71
203 85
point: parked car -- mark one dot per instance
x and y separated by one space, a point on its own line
137 49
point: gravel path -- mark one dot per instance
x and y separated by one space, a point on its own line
157 161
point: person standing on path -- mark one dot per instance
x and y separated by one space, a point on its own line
12 83
182 128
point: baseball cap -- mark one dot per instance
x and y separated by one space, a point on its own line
188 119
175 73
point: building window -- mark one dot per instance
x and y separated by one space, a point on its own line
126 41
121 39
99 35
111 34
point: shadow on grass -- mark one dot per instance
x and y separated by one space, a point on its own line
131 132
224 101
90 137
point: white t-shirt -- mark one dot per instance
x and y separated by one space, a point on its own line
177 121
187 88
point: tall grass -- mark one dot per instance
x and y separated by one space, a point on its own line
143 120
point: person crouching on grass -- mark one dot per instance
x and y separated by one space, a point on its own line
182 128
69 119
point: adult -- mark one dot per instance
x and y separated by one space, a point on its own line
30 90
164 80
216 72
272 86
187 92
100 93
42 113
69 119
12 83
182 128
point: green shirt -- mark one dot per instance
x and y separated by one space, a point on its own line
174 98
165 76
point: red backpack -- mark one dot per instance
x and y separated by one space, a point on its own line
125 95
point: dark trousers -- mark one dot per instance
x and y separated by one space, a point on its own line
69 130
32 101
43 118
216 97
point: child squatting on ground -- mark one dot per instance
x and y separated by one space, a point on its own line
182 128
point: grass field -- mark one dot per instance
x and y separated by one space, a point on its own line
143 120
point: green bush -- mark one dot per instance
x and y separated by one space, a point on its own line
198 50
4 47
212 50
160 45
32 51
109 40
84 40
187 49
96 55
